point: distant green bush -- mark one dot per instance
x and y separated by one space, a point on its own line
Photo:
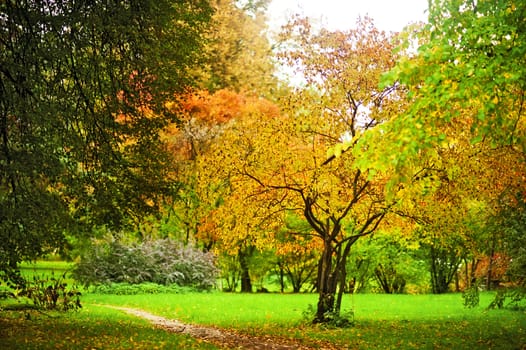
163 262
471 296
134 289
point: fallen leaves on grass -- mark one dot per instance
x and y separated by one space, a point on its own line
227 339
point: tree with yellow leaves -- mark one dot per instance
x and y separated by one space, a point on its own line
282 165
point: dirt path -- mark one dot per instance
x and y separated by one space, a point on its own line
226 339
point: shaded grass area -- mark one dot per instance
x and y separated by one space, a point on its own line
46 265
381 321
94 327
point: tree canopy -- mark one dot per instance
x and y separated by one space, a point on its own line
238 53
469 68
82 91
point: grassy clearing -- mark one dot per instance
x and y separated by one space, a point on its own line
382 321
46 265
226 310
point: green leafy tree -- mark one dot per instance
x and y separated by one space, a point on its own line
469 69
82 91
388 262
298 253
505 227
453 205
464 107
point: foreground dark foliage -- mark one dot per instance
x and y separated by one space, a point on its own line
79 146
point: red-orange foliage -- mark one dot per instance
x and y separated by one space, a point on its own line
500 263
203 113
222 106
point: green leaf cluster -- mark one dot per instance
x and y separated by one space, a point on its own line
469 69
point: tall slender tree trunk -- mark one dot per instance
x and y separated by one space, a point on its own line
246 282
342 272
326 292
490 268
281 277
473 279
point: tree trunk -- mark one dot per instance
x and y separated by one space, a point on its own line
490 265
246 283
342 273
382 279
444 265
332 275
467 275
296 283
473 279
281 277
439 282
326 292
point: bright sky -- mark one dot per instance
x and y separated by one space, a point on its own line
389 15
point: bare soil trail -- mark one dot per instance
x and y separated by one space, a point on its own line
226 339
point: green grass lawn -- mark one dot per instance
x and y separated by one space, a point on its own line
48 266
93 327
381 321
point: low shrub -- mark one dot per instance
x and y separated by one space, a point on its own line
135 289
162 262
342 319
471 296
50 293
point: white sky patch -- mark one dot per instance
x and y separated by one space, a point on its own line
388 15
